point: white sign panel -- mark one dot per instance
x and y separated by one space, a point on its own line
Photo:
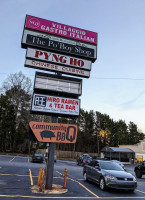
58 58
32 38
55 105
56 68
56 84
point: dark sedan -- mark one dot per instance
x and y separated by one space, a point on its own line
109 174
84 159
37 157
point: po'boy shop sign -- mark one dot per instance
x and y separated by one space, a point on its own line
46 104
55 28
54 132
31 38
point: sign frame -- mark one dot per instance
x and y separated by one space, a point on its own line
56 68
57 44
63 30
54 132
61 59
58 78
41 111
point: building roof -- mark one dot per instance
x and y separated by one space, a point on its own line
117 149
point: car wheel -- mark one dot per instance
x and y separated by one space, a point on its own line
102 183
85 176
138 174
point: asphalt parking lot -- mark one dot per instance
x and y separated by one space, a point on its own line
18 175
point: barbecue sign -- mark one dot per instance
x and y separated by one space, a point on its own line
54 132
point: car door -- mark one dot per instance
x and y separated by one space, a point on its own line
89 170
143 168
95 172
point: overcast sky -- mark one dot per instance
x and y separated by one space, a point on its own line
117 82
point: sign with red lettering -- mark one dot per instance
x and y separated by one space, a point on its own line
55 28
44 41
54 132
56 68
51 57
47 104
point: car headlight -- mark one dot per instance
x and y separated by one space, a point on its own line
111 178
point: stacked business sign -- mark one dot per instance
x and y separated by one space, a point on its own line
61 49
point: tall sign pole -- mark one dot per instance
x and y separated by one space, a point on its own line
50 161
62 49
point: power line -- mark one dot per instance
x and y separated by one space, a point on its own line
100 78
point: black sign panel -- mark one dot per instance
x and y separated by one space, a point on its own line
59 46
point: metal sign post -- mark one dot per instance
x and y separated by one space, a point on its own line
50 162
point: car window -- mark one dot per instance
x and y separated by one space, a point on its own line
96 164
144 164
91 163
109 165
37 154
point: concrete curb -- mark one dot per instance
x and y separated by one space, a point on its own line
56 189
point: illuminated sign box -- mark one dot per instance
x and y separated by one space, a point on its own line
63 30
61 84
61 59
44 41
54 105
56 68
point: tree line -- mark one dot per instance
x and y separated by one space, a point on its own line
15 103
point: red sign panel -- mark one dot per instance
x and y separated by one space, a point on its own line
55 28
54 132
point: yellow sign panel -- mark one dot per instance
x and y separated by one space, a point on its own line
139 158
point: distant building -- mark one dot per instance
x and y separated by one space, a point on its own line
138 148
125 155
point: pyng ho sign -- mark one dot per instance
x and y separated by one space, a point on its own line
56 58
54 105
56 68
55 28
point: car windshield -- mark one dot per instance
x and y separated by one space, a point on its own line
108 165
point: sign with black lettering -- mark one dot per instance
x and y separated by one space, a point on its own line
56 68
54 132
56 58
36 40
46 104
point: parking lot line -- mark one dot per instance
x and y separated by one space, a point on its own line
81 185
31 179
42 197
13 175
140 191
12 159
